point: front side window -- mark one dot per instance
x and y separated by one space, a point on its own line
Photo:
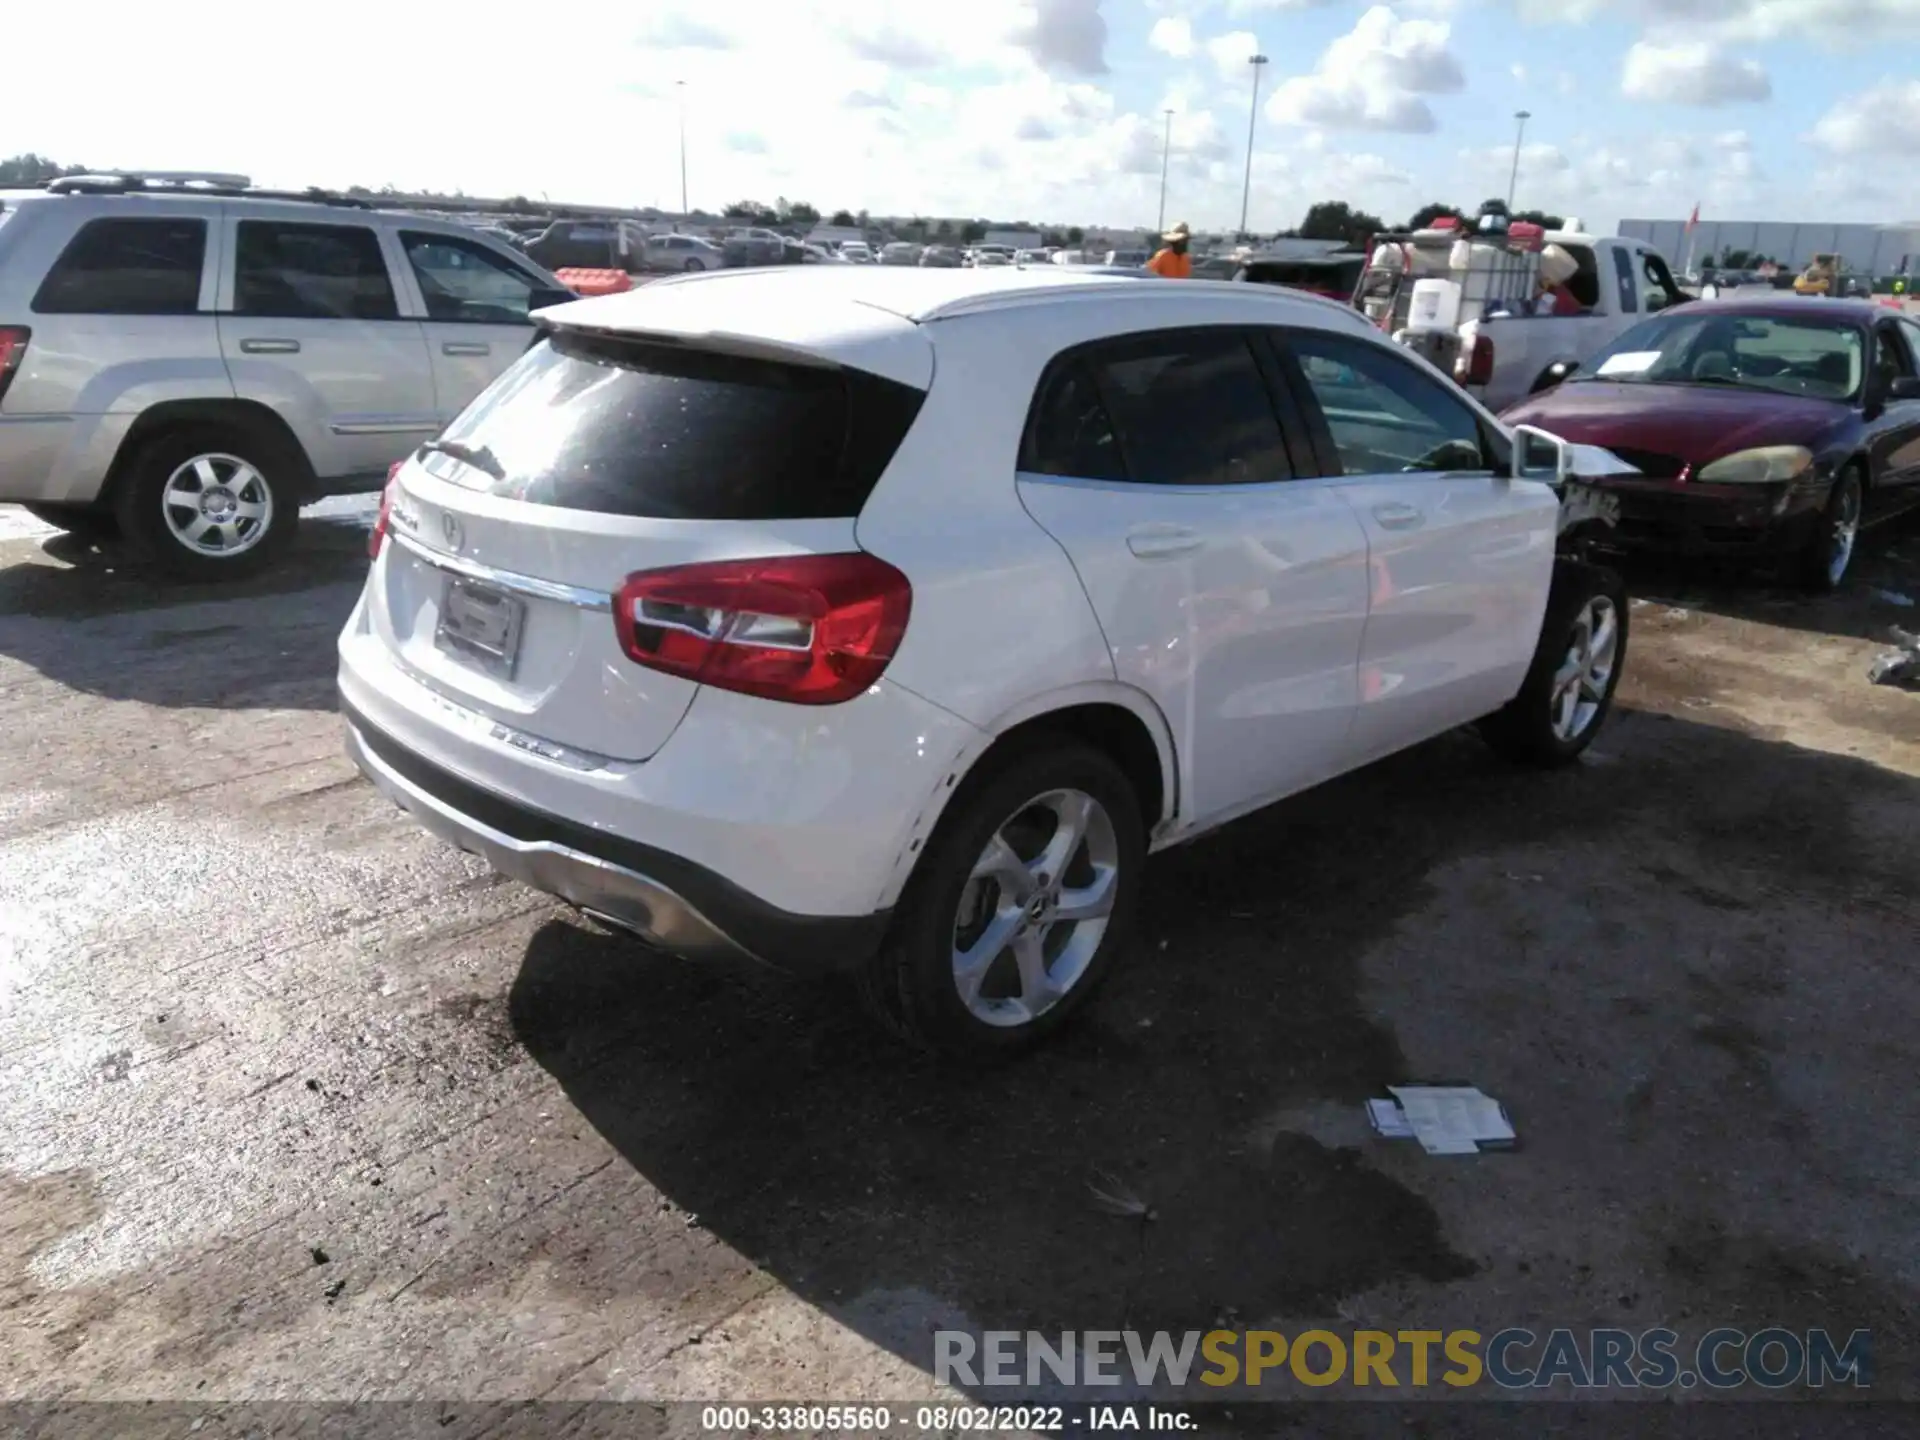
1191 408
1791 355
1890 359
127 267
465 282
311 272
1385 416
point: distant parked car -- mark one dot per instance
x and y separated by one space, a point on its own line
1128 258
672 253
857 252
1762 426
587 245
345 338
900 252
940 257
755 246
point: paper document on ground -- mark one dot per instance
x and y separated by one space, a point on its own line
1388 1120
1452 1120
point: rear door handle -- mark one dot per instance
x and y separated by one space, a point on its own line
1398 516
1161 541
269 347
465 347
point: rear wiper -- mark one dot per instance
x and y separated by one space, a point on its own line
478 456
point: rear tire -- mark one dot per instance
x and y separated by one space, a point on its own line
693 267
1576 669
1829 555
83 522
980 961
209 502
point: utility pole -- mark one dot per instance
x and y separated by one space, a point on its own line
1513 180
1166 150
1253 114
680 90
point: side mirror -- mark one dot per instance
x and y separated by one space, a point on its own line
1538 455
543 296
1904 387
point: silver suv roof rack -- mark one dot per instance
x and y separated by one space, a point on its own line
190 182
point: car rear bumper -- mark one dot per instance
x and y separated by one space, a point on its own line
667 901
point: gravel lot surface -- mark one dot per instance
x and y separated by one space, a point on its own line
299 1103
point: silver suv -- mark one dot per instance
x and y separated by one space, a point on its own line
187 362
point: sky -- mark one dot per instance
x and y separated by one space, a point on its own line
1045 110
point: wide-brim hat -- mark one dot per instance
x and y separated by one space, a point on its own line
1178 232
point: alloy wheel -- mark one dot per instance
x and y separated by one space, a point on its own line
217 505
1844 529
1035 908
1580 685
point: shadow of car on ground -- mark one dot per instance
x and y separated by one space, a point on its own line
843 1167
1885 571
96 623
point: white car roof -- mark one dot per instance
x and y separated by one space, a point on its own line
875 319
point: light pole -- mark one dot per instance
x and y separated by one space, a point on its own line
680 90
1521 117
1166 150
1253 114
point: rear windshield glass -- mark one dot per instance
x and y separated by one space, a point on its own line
673 432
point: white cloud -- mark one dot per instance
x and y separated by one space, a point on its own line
1230 53
1375 77
1883 119
1172 35
1518 71
1691 72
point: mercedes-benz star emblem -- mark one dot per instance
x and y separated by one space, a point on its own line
451 528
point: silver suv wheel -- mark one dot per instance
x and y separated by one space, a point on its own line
217 505
1035 908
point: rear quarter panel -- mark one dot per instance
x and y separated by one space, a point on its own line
998 612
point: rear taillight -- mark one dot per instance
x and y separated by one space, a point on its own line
13 346
381 521
1476 366
810 629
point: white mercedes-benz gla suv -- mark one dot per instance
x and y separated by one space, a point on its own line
884 620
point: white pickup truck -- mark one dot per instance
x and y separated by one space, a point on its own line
1495 343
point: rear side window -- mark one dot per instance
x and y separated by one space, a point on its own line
640 428
311 272
1071 433
127 267
1192 408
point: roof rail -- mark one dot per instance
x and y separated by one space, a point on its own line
191 182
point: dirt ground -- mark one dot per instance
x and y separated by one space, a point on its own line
300 1104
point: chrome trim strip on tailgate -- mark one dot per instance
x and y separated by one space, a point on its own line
508 580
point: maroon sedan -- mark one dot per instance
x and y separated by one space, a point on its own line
1771 426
